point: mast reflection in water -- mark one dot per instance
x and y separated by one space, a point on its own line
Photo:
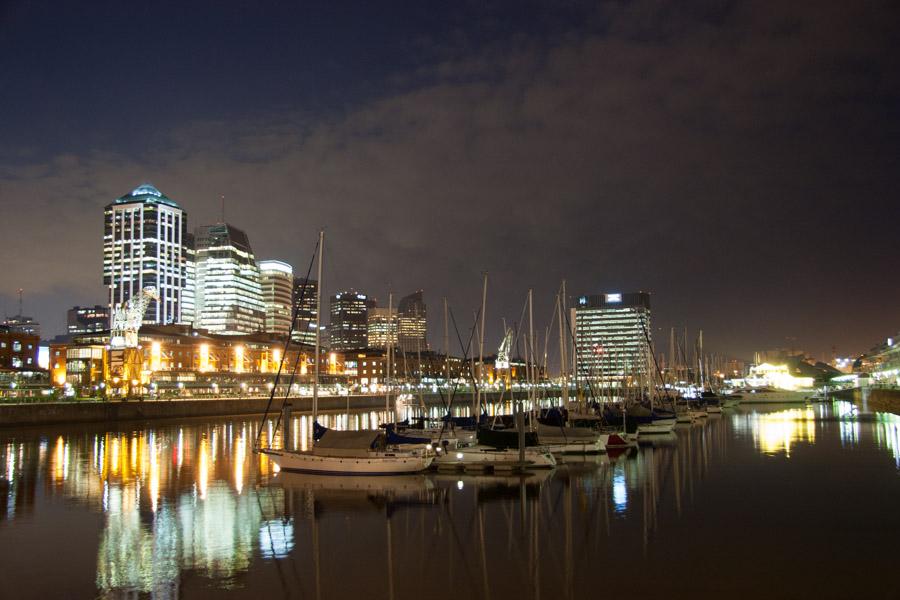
187 509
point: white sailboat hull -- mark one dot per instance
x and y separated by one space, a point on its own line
373 463
563 447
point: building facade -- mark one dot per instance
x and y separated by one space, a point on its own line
277 282
228 293
612 333
306 310
349 321
84 319
412 323
18 350
143 246
382 327
23 324
188 295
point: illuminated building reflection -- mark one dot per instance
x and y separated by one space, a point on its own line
887 435
172 500
777 432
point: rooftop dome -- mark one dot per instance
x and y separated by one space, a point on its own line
147 193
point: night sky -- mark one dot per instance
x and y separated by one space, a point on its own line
738 160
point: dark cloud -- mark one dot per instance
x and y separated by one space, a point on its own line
738 160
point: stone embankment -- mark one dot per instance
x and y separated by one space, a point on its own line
874 399
16 415
12 415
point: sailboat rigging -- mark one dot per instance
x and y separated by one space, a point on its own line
343 452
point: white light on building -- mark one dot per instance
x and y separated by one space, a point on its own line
143 246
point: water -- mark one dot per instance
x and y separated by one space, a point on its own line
776 502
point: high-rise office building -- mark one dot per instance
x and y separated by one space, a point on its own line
305 308
612 333
349 321
412 323
228 292
382 327
143 246
277 280
86 319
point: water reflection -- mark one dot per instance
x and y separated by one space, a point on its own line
887 434
192 498
776 432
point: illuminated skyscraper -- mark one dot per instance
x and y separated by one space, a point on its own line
412 323
228 292
349 321
188 295
278 290
143 246
382 327
306 310
612 334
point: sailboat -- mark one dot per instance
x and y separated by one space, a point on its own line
509 450
345 452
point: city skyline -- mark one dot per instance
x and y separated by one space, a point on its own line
612 146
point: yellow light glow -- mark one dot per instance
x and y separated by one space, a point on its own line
777 432
777 376
155 356
238 359
58 467
203 470
204 357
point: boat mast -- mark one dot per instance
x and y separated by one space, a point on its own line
390 348
700 361
315 408
446 347
477 405
672 357
531 394
563 374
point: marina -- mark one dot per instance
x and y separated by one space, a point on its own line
186 509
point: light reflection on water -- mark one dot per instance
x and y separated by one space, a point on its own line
777 431
193 498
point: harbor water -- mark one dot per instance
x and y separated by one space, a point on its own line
769 501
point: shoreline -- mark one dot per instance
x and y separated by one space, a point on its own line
62 413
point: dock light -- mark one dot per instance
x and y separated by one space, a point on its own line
459 455
459 484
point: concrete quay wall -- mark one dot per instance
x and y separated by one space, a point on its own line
14 415
874 399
